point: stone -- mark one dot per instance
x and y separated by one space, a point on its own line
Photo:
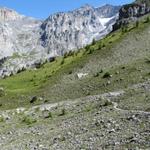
33 99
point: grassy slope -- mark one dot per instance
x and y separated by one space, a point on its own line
124 55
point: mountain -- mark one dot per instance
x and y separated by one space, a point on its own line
69 31
97 98
25 41
131 12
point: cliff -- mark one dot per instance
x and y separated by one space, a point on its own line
131 12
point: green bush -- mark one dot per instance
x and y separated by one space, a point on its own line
70 53
48 115
90 50
107 75
1 119
2 93
28 120
107 103
87 47
137 24
124 29
96 74
99 46
147 20
62 61
93 42
63 112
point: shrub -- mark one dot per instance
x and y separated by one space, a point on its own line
90 50
148 60
147 20
124 29
99 46
87 47
28 120
96 74
70 72
93 42
33 99
103 45
101 71
52 59
76 53
70 53
1 119
49 115
107 75
2 93
62 61
107 103
63 112
137 24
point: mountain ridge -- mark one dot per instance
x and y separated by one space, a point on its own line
27 41
131 12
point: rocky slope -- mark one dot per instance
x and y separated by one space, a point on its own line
25 41
96 122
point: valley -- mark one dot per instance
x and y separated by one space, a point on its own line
94 98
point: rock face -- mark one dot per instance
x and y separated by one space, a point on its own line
69 31
25 41
131 12
9 15
19 42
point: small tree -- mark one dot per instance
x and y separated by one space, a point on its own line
63 112
137 24
124 28
147 19
107 75
100 46
91 49
93 42
87 47
62 61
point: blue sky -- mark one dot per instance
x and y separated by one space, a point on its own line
43 8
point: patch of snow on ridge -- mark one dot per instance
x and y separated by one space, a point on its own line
104 21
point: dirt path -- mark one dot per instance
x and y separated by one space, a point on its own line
108 96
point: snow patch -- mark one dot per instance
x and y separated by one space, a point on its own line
104 21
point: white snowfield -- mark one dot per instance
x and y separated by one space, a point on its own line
25 41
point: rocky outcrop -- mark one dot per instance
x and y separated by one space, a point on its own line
131 12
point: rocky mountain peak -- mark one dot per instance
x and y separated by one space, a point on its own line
74 29
7 14
86 7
